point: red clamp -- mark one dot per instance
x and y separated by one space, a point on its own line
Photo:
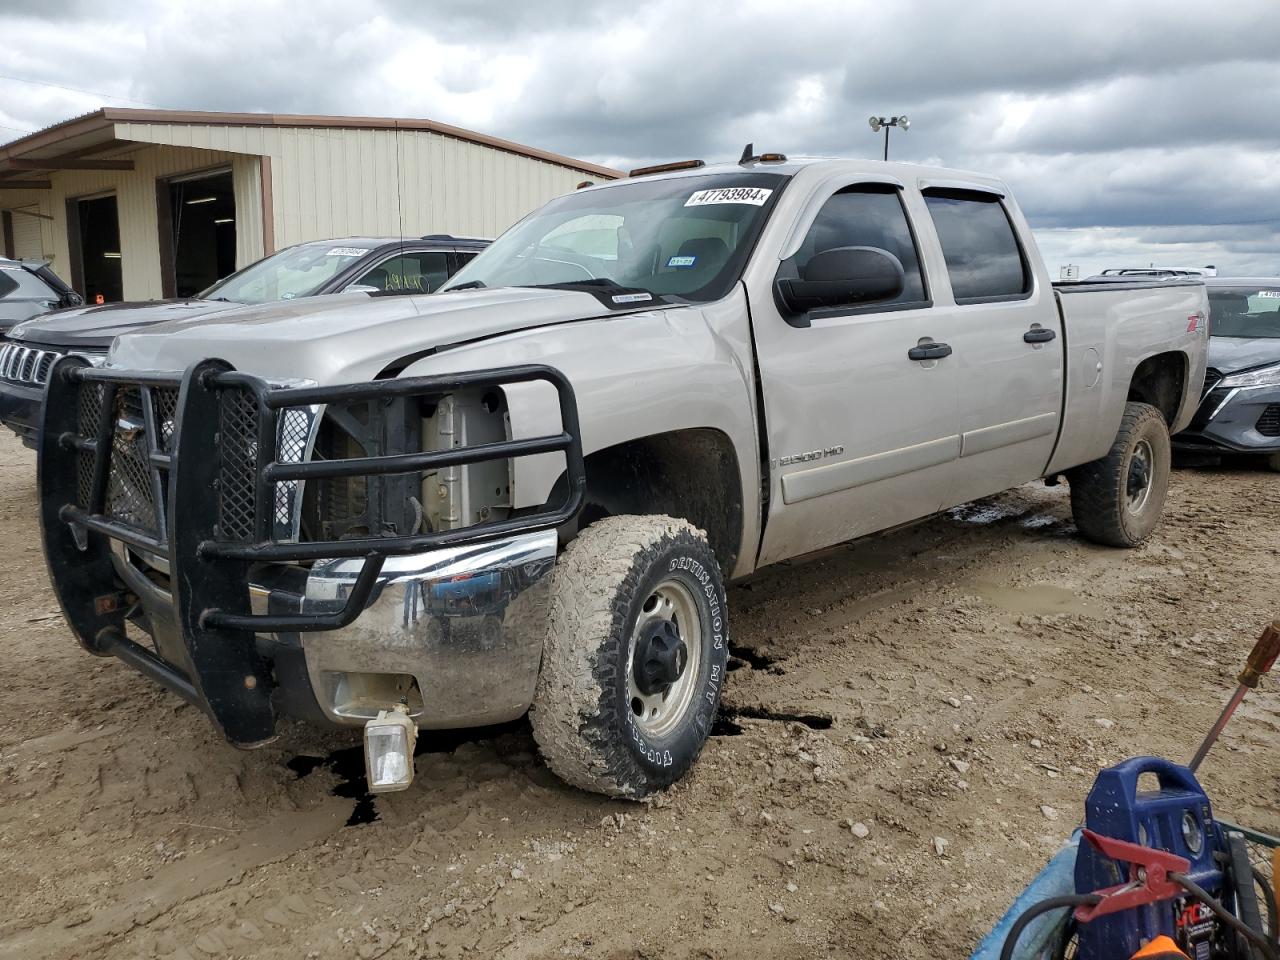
1148 877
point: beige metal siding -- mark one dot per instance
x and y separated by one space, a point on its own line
135 193
28 239
333 182
325 182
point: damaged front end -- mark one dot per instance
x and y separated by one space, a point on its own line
304 550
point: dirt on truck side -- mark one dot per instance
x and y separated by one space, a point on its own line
909 728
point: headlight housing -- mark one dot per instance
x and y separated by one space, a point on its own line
1262 377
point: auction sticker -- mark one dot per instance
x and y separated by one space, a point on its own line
755 196
1269 294
345 252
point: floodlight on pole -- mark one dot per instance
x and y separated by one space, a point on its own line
884 123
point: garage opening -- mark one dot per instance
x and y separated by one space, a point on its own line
199 212
95 272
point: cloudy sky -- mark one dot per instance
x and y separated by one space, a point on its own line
1132 132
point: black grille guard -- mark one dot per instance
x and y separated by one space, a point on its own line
200 524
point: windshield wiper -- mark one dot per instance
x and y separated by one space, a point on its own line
620 294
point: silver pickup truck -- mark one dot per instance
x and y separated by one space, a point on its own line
526 493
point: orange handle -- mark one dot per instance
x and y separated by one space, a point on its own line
1263 655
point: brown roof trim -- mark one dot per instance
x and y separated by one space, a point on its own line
108 116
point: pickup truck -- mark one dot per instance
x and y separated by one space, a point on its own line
527 492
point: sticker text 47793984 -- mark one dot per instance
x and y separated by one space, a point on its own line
755 196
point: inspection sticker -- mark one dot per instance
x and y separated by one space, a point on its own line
682 261
345 252
756 196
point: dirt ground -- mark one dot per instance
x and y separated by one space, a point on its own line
908 735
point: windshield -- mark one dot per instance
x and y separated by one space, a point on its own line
294 272
1248 312
685 238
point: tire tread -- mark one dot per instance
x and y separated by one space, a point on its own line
592 582
1096 504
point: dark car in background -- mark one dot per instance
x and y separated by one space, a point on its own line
1240 409
29 288
373 265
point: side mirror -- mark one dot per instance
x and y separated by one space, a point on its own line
363 288
71 299
843 276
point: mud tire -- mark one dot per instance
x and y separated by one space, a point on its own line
1100 502
582 716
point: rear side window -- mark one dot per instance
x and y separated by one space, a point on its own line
416 272
868 215
19 283
982 253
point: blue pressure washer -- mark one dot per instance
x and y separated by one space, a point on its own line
1151 868
1148 864
1167 830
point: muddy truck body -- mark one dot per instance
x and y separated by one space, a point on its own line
526 493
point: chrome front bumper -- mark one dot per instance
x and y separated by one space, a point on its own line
466 623
457 633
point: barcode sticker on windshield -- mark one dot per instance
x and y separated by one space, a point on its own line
345 252
756 196
1269 294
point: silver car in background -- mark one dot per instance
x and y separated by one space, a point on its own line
1239 412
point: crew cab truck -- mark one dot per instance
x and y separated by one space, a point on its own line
642 391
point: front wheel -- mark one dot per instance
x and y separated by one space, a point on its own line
1118 500
1273 462
634 658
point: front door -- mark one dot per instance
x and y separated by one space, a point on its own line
861 437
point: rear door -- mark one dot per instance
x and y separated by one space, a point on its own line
860 436
1002 322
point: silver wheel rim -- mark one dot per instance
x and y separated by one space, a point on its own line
658 714
1143 458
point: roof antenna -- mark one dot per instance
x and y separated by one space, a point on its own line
748 154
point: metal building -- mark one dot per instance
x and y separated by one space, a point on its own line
140 204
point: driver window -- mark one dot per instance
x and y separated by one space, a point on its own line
419 272
868 215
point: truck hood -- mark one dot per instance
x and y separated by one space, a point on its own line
94 327
346 337
1229 354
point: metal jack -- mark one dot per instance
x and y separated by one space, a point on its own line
1261 659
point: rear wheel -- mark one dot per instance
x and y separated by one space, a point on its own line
1118 500
634 658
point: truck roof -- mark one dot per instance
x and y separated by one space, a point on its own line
1221 281
904 173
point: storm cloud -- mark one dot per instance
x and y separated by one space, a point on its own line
1132 133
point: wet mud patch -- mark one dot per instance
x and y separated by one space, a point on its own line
347 763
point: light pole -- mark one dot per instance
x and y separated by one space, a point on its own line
878 123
